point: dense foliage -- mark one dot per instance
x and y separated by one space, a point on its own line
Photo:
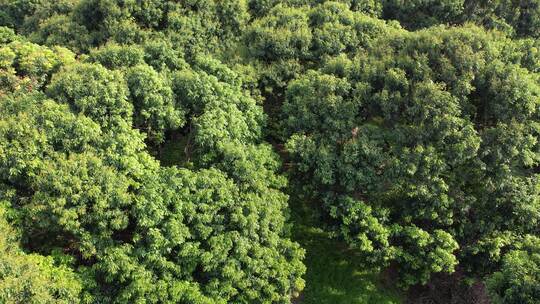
409 127
518 280
410 158
32 278
79 177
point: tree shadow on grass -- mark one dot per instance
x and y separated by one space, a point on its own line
335 274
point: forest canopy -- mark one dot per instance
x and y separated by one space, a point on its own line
149 149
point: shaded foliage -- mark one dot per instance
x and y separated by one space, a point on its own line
411 126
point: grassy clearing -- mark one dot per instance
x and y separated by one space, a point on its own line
335 275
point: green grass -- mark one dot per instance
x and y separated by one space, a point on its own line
335 275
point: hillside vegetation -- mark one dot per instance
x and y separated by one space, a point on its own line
269 151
